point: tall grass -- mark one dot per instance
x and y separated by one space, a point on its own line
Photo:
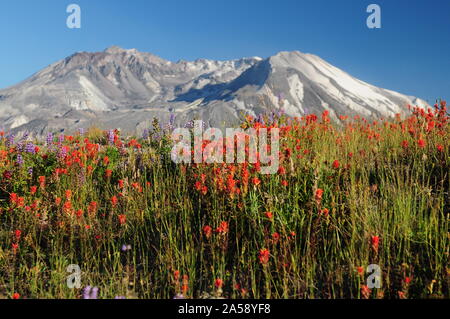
213 230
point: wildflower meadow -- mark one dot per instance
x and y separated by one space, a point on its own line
115 216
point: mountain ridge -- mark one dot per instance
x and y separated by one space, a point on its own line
126 88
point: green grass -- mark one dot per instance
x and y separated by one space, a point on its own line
398 194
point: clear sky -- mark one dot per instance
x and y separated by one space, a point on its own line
409 54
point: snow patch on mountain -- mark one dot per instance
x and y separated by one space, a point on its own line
95 99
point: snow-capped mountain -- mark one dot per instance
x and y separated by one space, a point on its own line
126 89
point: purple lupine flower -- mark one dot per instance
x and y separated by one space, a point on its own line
30 171
81 131
260 118
10 140
49 139
179 296
25 135
120 297
111 136
20 147
90 292
87 292
145 134
94 293
61 138
19 160
172 120
279 113
30 148
63 152
126 247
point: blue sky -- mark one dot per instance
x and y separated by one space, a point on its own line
409 54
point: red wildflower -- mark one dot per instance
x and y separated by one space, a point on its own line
207 230
35 204
440 148
17 234
7 175
319 194
176 275
264 256
336 164
108 173
33 190
67 207
68 194
20 202
365 292
106 160
375 240
360 270
284 183
13 198
92 208
114 200
218 283
269 215
185 287
223 228
421 143
256 181
122 219
42 181
16 295
275 237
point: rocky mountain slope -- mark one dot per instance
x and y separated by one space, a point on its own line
125 89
